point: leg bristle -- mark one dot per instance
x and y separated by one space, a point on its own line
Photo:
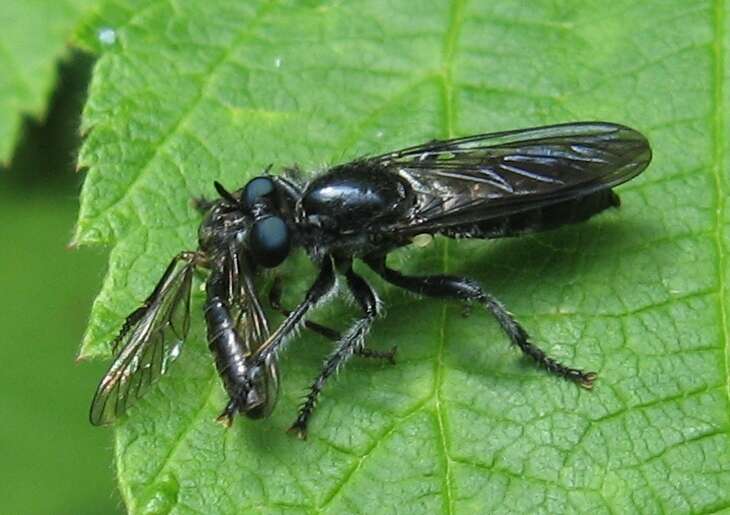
460 288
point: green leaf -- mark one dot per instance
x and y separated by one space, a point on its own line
33 37
188 92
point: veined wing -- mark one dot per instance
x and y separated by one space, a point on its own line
148 342
251 322
480 177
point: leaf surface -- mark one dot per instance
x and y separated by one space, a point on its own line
190 92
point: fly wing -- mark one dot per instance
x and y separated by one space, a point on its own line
480 177
147 343
251 322
254 325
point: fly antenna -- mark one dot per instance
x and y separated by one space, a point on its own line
224 193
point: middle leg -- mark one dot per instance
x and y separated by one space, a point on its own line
327 332
349 344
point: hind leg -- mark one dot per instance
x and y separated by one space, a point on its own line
448 286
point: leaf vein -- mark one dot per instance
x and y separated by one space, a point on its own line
208 75
719 156
456 19
348 476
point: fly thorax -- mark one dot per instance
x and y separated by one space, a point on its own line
355 197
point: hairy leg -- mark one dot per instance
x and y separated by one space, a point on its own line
326 332
348 345
448 286
323 285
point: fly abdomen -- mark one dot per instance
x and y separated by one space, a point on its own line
538 219
577 210
226 345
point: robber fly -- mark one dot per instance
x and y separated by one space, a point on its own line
485 186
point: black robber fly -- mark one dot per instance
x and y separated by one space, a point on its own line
485 186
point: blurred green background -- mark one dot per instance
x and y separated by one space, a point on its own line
53 460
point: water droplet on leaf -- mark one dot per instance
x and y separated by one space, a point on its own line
107 36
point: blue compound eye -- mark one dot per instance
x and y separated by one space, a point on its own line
269 241
256 189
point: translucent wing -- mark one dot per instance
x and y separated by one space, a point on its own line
251 322
476 178
148 342
254 324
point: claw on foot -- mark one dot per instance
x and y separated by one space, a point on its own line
586 380
225 419
389 356
298 430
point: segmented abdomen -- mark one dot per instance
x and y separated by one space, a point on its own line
225 344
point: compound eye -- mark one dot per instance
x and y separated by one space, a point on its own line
256 189
269 241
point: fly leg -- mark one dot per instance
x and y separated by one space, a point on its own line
275 303
449 286
323 284
330 334
347 345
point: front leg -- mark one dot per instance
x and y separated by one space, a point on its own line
352 342
466 289
322 330
323 285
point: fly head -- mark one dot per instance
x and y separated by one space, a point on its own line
269 240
